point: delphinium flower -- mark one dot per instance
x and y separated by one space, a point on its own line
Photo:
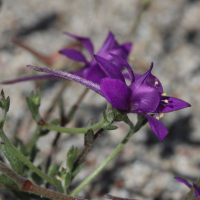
143 96
196 188
91 70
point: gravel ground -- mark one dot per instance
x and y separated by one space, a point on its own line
168 34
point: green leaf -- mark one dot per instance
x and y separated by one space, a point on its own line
89 137
77 169
16 164
67 179
111 127
6 181
33 104
71 157
33 153
20 145
4 103
53 169
90 122
37 179
55 122
58 185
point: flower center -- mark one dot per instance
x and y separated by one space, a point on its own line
156 83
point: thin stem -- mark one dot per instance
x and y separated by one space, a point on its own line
27 186
23 158
34 139
103 165
190 193
87 148
63 123
74 130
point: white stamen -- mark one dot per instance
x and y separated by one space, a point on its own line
166 101
156 83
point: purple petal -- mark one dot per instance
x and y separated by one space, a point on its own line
30 78
107 45
116 92
183 181
197 190
127 76
172 105
127 47
128 67
144 77
86 42
93 86
144 98
154 81
157 126
73 54
109 68
94 74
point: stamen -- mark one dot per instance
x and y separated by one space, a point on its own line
163 94
156 83
166 101
161 115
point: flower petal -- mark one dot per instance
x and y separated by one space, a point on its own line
183 181
127 76
197 190
127 47
116 92
107 45
128 67
154 81
94 74
93 86
144 98
109 68
30 78
157 126
86 42
172 105
73 54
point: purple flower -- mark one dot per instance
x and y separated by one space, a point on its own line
91 70
144 95
196 188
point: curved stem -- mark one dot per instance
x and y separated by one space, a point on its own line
103 165
75 130
18 154
27 186
34 139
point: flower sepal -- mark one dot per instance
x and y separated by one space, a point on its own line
109 114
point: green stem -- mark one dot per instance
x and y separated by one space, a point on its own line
18 154
27 186
75 130
34 139
103 165
23 158
190 193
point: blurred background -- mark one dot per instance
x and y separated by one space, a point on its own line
165 32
